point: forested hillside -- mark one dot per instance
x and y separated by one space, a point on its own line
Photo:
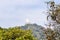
16 33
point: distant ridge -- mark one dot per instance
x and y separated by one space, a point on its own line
36 29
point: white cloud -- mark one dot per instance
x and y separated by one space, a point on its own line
19 2
16 11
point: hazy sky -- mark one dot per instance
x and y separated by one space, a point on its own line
16 12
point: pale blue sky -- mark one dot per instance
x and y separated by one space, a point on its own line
15 12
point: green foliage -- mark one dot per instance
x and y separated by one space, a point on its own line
16 33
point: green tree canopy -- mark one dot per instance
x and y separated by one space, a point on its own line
16 33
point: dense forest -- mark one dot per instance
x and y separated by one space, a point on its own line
15 33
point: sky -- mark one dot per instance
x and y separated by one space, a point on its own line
19 12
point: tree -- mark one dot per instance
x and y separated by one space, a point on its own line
54 14
54 11
16 33
52 34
